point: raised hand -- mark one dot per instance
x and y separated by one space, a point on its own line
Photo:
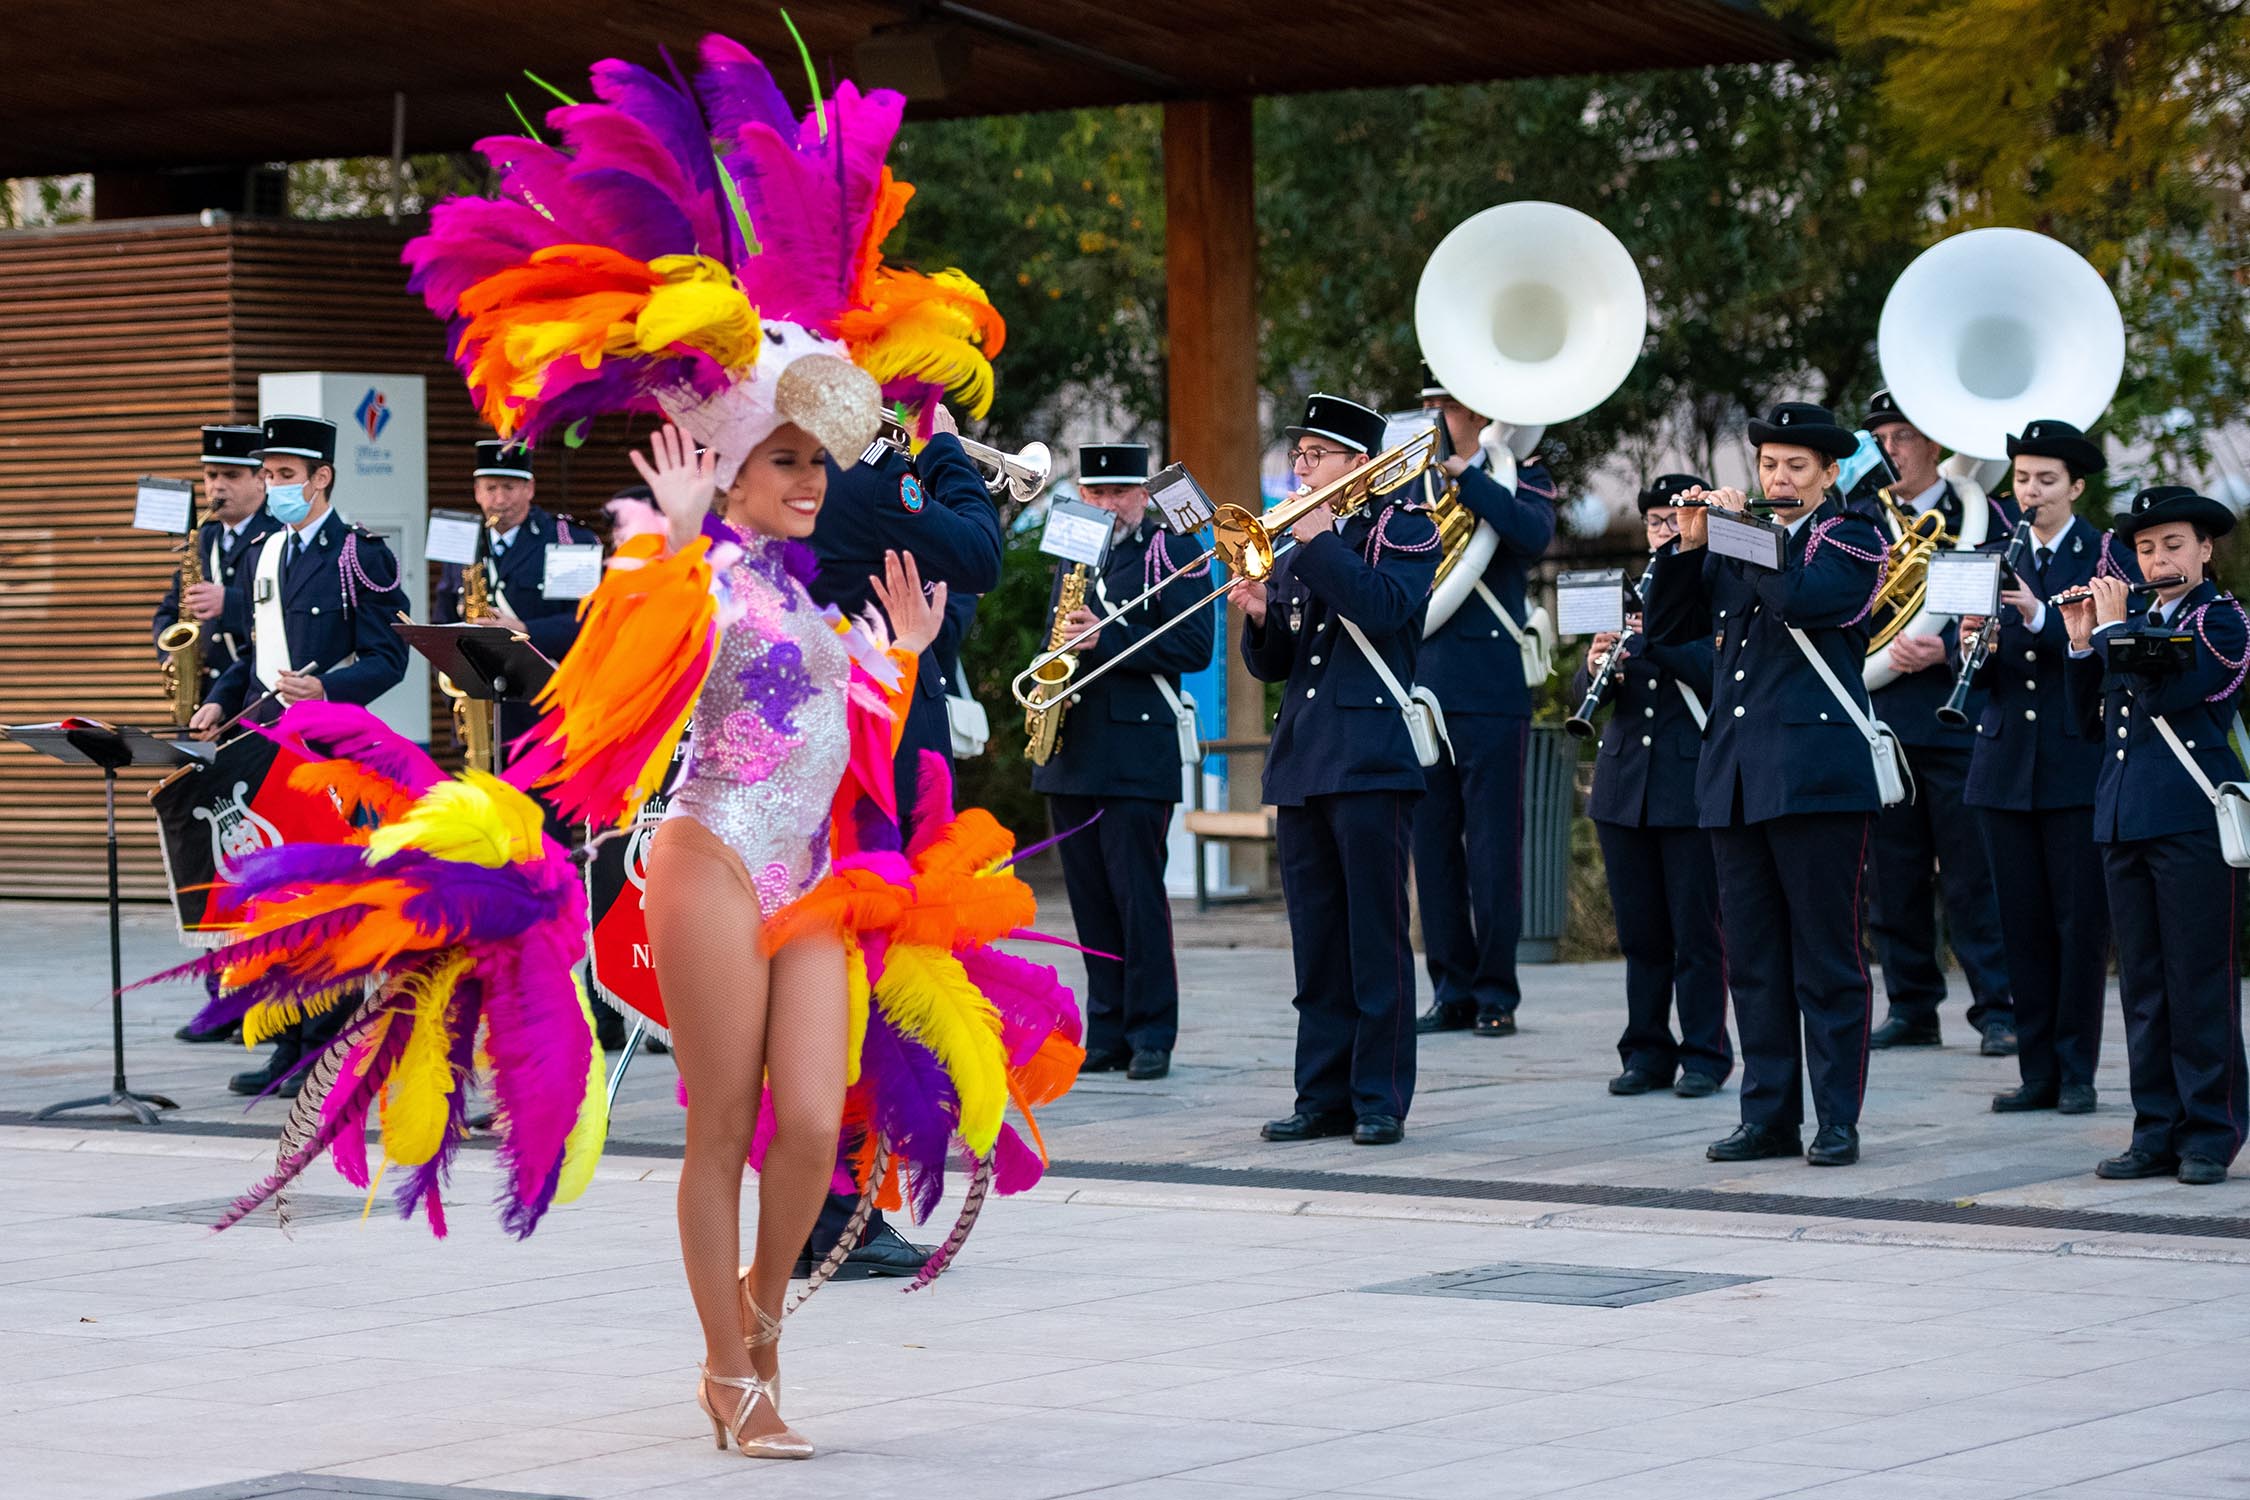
684 485
915 616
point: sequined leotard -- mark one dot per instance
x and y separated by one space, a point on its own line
769 740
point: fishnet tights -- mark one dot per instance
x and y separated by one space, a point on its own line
737 1017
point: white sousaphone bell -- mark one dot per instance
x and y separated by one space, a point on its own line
1531 313
1983 333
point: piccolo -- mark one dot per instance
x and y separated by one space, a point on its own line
2145 593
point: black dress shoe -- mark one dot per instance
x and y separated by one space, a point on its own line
2135 1163
1696 1086
885 1252
1496 1023
2201 1171
1636 1081
1833 1146
1445 1018
2075 1099
1148 1063
2025 1097
1308 1127
656 1045
1385 1130
224 1033
1106 1062
1754 1143
1906 1031
1999 1040
258 1080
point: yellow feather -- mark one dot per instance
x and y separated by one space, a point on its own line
417 1097
476 818
927 995
855 1008
584 1147
698 304
269 1018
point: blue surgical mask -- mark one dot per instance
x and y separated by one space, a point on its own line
287 504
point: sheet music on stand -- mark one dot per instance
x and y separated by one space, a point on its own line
1746 538
1963 583
1591 602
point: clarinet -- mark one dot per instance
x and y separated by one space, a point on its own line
1580 725
1954 711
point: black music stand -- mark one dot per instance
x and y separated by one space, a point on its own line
90 742
490 663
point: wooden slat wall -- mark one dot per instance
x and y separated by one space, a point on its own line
116 342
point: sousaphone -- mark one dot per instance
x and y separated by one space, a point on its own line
1531 313
1983 333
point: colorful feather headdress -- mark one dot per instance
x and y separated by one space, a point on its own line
646 261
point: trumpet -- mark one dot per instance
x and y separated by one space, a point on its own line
1580 724
1023 473
1954 711
1247 545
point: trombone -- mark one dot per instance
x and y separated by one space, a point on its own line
1023 474
1247 545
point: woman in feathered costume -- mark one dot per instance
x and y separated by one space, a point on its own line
709 255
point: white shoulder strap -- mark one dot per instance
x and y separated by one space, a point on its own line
269 630
1694 704
1492 602
2172 738
1852 710
1375 660
1170 694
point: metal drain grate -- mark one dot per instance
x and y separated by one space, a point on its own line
1567 1286
304 1208
329 1486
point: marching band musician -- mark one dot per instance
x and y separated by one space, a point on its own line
1344 774
234 520
1468 827
932 504
1928 844
2176 902
1118 761
323 596
1662 886
2031 782
1787 784
518 534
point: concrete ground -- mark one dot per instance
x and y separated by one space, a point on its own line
1180 1311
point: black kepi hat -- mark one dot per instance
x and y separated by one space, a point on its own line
1882 411
233 445
1666 489
1432 387
2174 502
2049 438
305 437
1113 463
1355 426
498 458
1804 425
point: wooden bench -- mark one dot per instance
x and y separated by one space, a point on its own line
1224 825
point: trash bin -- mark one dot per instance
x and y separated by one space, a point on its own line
1550 761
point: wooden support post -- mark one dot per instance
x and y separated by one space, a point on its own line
1211 281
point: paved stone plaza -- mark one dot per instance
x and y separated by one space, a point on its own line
1180 1311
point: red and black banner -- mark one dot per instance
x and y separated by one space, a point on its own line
211 817
615 880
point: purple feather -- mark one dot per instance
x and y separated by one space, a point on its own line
737 90
1031 999
299 867
874 829
910 1102
606 138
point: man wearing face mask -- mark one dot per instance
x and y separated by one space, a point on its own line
323 596
1116 767
1927 847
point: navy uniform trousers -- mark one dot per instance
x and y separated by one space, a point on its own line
1664 889
1344 862
1471 818
2054 920
1923 847
1114 874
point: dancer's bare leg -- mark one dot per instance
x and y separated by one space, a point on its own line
703 937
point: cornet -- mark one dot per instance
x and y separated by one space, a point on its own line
1023 473
1247 545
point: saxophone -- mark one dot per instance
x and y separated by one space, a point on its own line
1050 683
473 717
182 640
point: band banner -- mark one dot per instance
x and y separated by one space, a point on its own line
211 817
616 879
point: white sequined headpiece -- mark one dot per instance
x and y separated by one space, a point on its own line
799 377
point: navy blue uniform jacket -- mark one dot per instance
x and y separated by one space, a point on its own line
229 574
2142 791
552 624
2032 752
1472 663
1119 738
1340 728
1778 743
325 627
936 508
1644 776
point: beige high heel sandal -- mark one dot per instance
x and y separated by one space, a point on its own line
754 1388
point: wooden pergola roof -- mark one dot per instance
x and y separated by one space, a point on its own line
137 84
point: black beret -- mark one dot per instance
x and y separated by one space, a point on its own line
2174 502
2049 438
